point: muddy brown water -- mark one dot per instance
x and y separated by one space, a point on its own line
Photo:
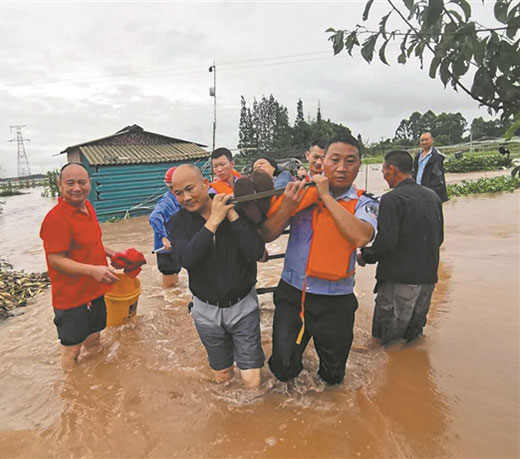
453 393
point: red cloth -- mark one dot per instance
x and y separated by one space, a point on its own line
130 260
66 229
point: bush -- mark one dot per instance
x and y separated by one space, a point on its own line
50 184
484 185
476 163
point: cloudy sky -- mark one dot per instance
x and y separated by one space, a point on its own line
73 72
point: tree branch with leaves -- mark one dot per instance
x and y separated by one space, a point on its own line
457 45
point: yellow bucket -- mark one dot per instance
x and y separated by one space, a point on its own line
121 301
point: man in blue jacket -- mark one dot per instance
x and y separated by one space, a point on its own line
167 260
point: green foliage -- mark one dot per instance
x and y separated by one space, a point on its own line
512 130
491 128
265 129
301 131
447 128
245 128
50 184
476 163
484 185
457 45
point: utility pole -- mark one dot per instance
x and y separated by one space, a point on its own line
22 162
213 93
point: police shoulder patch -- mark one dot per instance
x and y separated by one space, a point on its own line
372 209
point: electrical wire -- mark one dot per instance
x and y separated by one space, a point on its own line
181 71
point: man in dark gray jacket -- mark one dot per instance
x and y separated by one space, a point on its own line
428 167
406 248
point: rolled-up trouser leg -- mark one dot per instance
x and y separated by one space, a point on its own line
286 358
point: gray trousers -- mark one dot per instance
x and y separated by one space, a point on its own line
400 311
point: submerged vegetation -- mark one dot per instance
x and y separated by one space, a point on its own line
16 288
13 188
484 185
476 163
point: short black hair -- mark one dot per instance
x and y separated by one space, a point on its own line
72 164
320 143
400 159
344 138
271 161
222 151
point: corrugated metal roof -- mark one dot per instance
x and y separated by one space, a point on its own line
126 130
98 155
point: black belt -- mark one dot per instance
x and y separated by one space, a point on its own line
228 303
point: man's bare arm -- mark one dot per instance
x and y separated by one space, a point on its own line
273 227
101 273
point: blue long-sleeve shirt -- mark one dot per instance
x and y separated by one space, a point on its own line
158 219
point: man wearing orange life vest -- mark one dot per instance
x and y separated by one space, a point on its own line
225 176
315 155
315 297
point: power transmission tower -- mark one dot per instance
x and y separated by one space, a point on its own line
22 162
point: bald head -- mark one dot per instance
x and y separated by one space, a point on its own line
74 184
73 168
187 170
426 141
191 188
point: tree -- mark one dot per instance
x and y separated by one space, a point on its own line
491 128
326 129
318 115
409 130
448 128
458 45
246 132
301 132
265 129
282 132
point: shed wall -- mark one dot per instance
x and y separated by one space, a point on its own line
128 190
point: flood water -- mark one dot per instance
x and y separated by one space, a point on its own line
452 393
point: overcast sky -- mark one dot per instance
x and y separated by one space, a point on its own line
73 72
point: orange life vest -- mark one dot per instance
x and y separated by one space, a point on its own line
330 251
220 186
329 247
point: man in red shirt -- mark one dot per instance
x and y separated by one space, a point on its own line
77 264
